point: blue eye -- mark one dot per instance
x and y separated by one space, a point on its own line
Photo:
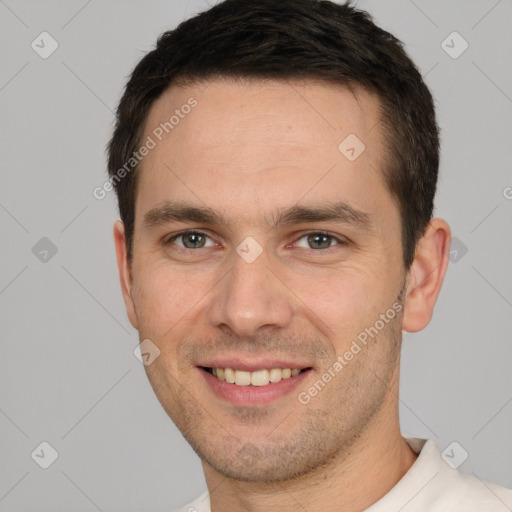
192 240
318 240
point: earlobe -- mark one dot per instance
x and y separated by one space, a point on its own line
426 275
125 274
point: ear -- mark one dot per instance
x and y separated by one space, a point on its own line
426 275
125 274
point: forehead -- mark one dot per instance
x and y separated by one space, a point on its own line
303 114
242 146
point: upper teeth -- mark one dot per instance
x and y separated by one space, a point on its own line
257 378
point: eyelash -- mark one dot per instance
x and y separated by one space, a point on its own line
339 240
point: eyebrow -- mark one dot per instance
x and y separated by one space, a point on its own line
339 212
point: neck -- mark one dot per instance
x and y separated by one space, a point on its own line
350 483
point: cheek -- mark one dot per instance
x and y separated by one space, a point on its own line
166 297
342 303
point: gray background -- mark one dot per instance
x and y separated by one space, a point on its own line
68 374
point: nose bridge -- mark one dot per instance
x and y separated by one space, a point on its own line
250 297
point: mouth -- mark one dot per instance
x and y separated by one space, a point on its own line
257 378
254 381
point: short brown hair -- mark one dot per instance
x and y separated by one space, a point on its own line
295 39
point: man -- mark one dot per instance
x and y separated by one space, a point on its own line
276 166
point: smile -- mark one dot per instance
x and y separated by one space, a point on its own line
255 378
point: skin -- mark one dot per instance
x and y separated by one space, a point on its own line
246 151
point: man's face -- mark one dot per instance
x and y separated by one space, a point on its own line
267 282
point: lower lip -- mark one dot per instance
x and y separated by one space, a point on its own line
251 395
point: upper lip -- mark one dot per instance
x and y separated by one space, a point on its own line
252 365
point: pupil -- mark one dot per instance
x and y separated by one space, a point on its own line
193 240
319 241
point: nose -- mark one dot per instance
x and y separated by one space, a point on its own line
250 298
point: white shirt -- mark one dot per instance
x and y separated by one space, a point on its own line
430 485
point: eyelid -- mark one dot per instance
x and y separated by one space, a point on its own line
174 236
342 240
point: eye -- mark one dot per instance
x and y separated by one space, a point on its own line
191 240
317 240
